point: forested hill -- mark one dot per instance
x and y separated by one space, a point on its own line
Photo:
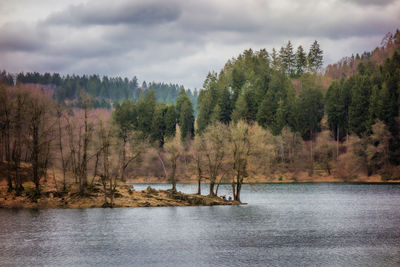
348 66
286 91
106 91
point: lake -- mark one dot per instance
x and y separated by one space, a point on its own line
282 225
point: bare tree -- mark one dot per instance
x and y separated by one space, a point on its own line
64 160
39 135
130 149
86 139
110 169
174 150
213 143
247 146
198 160
19 122
6 106
80 130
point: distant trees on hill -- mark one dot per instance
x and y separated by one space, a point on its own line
106 91
348 66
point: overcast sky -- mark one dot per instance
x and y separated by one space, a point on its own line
179 41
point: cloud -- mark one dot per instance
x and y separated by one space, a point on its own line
371 2
21 37
106 13
180 41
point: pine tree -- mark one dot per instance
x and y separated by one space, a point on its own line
300 61
224 105
287 58
241 109
311 108
315 57
182 96
280 118
216 114
158 127
186 120
205 110
358 110
170 121
266 111
275 59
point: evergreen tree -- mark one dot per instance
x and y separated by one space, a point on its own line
315 57
266 111
358 110
280 118
216 114
287 58
311 107
170 121
300 61
182 96
205 110
145 110
186 120
241 109
275 59
224 105
336 109
158 127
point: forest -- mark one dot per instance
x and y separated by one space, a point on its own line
264 116
105 91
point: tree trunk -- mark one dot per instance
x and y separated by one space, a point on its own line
233 189
8 157
173 179
84 156
35 157
238 188
64 167
199 185
337 143
124 141
212 183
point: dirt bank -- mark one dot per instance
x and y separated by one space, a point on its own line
125 196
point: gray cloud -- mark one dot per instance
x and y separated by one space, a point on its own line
105 13
180 41
21 37
371 2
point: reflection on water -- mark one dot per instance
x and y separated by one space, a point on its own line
283 225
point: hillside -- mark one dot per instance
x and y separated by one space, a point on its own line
106 91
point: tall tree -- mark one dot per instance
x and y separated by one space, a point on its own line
300 61
359 122
315 56
170 121
288 58
213 144
174 150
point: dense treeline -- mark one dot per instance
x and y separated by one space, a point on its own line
356 103
105 91
257 88
260 117
267 90
156 121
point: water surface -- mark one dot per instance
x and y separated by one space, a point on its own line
283 225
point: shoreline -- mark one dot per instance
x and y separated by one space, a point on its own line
253 183
125 197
